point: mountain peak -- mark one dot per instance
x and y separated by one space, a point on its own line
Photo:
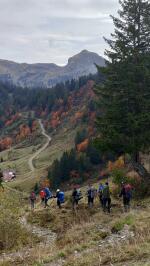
48 75
87 57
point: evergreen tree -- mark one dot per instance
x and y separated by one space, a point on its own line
124 97
80 136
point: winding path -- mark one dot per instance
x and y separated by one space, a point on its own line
30 161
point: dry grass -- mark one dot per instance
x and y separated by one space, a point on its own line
12 235
79 235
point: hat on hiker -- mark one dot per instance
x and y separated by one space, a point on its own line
58 190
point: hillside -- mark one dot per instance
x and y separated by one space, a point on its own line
49 237
48 75
73 110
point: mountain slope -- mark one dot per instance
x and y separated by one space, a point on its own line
47 75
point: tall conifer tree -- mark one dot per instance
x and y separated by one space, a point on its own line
124 98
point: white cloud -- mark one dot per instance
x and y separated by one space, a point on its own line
53 30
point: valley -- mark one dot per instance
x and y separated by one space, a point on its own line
75 138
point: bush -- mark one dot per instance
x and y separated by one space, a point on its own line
140 188
119 176
119 225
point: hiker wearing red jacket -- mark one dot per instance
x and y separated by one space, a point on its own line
42 196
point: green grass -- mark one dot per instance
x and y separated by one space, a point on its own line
119 225
17 157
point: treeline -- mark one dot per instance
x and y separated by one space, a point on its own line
15 99
75 166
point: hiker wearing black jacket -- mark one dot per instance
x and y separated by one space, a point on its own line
106 198
126 194
75 198
91 194
1 180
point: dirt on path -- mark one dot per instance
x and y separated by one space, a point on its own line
30 161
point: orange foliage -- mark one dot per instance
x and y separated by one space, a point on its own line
6 143
45 183
24 131
83 146
118 164
12 119
90 131
55 123
78 115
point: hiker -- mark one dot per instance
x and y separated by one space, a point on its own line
79 195
126 193
48 195
100 193
42 196
91 194
75 198
60 198
32 200
1 179
106 198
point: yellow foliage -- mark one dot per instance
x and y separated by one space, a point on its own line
118 164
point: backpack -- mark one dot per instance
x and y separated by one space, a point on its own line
100 190
128 191
42 194
78 195
61 197
91 193
106 192
48 193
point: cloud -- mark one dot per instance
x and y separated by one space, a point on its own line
53 30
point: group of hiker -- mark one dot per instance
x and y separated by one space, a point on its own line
103 193
45 194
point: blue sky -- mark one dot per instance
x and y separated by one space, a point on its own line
53 30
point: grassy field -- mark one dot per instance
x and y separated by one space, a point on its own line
89 236
17 157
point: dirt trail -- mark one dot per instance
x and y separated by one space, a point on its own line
30 161
48 237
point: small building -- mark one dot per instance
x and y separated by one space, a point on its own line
8 175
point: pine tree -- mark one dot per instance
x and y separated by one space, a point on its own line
124 97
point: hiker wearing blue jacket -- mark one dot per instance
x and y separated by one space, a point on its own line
48 195
60 198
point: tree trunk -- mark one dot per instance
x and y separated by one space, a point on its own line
140 169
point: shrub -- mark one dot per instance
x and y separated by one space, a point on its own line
119 225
